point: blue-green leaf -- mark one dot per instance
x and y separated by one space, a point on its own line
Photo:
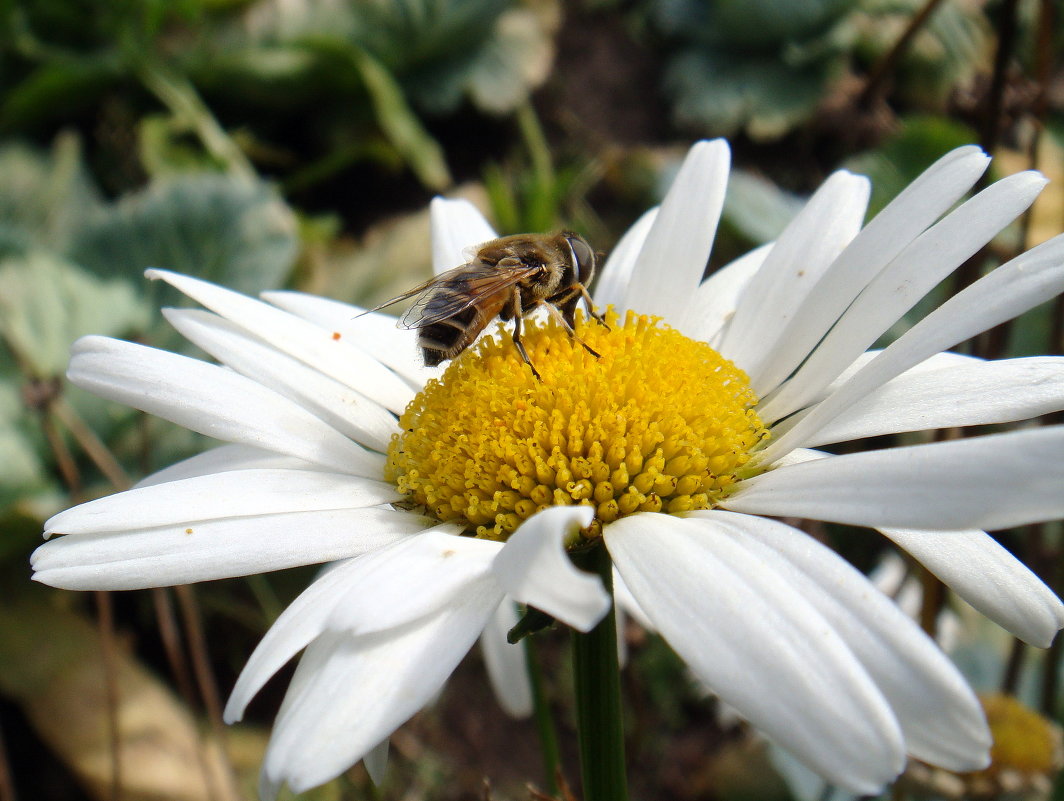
237 232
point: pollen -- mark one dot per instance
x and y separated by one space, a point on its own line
655 423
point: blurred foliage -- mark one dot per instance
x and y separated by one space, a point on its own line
234 232
43 198
491 51
947 53
760 68
46 303
347 66
765 68
296 143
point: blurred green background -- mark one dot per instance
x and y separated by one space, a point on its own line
296 143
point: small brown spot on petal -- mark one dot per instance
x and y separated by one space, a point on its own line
336 335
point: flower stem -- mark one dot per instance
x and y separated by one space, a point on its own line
548 737
598 698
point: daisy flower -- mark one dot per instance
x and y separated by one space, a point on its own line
440 495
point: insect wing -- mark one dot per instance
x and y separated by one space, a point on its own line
456 290
419 289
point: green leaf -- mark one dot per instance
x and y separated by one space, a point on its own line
43 198
408 34
47 303
401 125
56 90
515 59
165 150
744 25
174 90
722 92
236 232
757 207
438 51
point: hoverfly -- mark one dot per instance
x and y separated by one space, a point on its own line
505 278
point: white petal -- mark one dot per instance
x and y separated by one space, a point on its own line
214 401
223 459
916 271
1011 289
534 568
312 344
911 212
505 663
717 297
411 580
350 693
312 612
801 255
617 272
800 455
345 409
759 645
374 332
940 716
236 493
992 482
241 546
674 256
457 225
626 602
306 672
944 359
975 566
965 394
302 621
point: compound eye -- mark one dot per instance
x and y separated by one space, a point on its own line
585 257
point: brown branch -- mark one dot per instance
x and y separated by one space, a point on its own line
969 272
105 622
1051 677
201 666
1010 679
93 446
166 622
884 68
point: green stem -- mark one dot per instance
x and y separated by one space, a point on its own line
541 201
598 699
548 736
178 94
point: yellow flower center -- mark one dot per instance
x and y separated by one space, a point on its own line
656 423
1024 741
1028 751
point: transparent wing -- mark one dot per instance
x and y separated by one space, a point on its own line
425 286
456 290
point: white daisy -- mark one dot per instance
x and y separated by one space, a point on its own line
674 454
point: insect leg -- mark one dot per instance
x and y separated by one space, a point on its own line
515 305
560 316
601 317
567 307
